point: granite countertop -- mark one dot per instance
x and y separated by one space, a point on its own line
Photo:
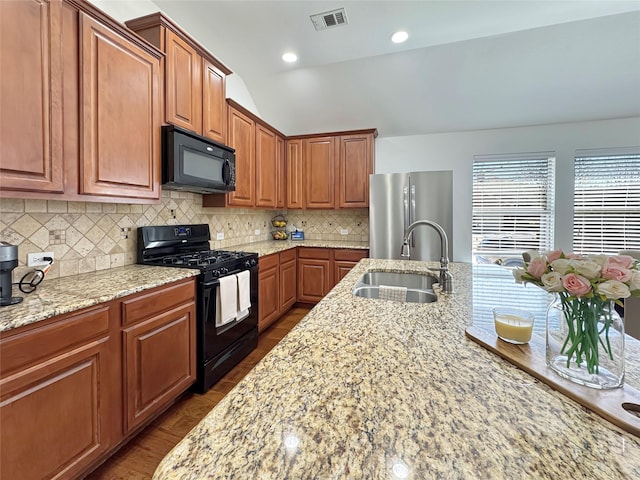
373 389
274 246
67 294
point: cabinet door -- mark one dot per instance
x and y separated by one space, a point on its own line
214 106
288 285
242 138
340 269
57 412
159 362
183 84
319 164
268 295
120 128
281 189
294 174
314 279
356 164
31 96
266 167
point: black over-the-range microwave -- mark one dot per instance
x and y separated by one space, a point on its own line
196 164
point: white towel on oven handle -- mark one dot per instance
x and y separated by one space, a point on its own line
227 300
244 293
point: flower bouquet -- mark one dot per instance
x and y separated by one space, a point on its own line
585 334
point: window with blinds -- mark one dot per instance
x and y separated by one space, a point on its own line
513 206
606 216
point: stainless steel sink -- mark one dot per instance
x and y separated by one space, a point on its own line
419 287
392 279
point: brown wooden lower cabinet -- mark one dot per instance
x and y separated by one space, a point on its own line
344 260
74 387
58 404
314 273
277 286
159 350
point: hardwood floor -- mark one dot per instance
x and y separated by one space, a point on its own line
139 458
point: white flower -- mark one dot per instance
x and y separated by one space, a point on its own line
634 282
517 274
587 268
561 265
613 289
599 259
552 282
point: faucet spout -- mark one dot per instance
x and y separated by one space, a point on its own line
446 280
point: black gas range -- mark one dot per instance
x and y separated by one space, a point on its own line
220 347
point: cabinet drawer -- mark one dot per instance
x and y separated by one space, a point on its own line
288 256
157 301
311 252
268 261
353 255
34 345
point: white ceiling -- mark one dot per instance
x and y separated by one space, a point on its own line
467 64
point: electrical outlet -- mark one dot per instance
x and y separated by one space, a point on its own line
344 231
220 236
35 259
257 231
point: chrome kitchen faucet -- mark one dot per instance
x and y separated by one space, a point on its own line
446 279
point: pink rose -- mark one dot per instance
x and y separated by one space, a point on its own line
625 261
537 267
614 271
573 256
576 285
554 255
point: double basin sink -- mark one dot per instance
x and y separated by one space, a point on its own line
419 287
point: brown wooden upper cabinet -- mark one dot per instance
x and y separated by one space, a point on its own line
72 140
242 135
31 95
294 174
260 163
331 170
195 81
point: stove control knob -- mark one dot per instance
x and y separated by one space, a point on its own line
224 270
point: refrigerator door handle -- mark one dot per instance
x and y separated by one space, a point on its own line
407 218
412 216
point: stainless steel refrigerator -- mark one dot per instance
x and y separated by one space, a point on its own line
399 199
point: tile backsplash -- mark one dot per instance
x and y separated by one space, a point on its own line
86 236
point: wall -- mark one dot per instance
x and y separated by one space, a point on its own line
87 236
455 151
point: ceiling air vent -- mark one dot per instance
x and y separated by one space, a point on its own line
331 19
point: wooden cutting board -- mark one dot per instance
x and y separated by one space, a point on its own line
620 406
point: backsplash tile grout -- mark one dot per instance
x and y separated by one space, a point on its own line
86 236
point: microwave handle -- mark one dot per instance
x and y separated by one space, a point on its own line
226 172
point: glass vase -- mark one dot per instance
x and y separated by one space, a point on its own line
585 341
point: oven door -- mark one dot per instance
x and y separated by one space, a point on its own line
214 340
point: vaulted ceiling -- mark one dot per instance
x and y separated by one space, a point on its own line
467 64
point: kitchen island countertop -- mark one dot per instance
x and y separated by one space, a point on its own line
373 389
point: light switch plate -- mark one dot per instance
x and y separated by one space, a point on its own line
220 236
344 231
257 231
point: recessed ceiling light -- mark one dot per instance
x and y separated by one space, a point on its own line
399 37
289 57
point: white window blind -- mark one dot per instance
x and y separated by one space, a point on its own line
513 205
606 215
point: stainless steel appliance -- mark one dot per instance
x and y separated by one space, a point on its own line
196 164
219 348
8 261
396 200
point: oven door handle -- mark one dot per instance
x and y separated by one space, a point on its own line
211 284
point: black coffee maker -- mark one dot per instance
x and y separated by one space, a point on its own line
8 261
